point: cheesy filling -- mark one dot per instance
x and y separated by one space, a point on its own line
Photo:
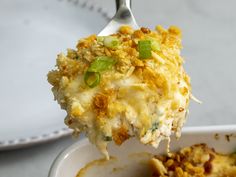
142 93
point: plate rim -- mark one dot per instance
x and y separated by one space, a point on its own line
33 140
59 133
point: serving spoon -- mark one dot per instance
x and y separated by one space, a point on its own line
123 16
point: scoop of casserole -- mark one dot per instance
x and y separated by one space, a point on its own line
131 83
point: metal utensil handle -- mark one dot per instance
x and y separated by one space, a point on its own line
126 3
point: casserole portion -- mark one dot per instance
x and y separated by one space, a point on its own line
195 161
131 83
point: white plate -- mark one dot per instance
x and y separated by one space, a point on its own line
71 160
32 33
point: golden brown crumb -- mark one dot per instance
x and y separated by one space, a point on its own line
154 79
208 164
145 30
120 135
126 30
100 103
54 78
157 167
87 42
195 161
181 109
138 34
174 30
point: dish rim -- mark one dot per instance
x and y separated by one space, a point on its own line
186 130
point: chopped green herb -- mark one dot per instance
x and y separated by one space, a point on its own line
101 63
100 38
92 75
154 126
111 42
144 48
155 45
107 138
92 79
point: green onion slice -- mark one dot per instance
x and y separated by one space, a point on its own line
100 38
111 42
144 48
101 63
155 44
92 79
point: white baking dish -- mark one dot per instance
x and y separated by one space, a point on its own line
72 159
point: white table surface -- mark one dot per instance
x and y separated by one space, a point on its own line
209 35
